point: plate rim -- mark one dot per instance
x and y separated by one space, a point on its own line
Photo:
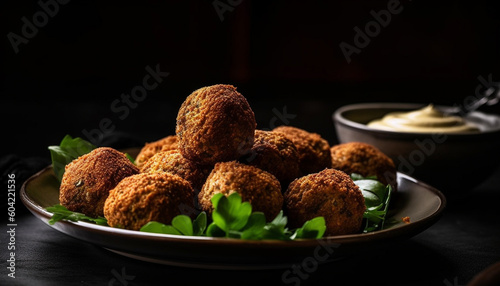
425 222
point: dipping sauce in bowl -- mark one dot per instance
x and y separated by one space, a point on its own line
454 155
425 120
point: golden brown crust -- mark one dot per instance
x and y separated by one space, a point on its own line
274 153
149 149
314 151
364 159
215 124
329 193
173 162
146 197
254 185
87 180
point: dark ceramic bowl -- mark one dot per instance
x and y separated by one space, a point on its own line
454 163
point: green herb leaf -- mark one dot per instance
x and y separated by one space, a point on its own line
280 220
372 186
276 229
386 204
157 227
68 150
377 197
62 213
231 214
272 231
130 158
183 224
356 176
200 224
214 231
371 199
314 228
233 218
255 226
216 198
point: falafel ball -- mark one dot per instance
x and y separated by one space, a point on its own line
331 194
273 152
149 149
215 124
87 180
254 185
314 151
173 162
146 197
364 159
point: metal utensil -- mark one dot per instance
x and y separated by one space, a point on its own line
490 96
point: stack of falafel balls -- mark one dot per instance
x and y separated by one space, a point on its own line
217 149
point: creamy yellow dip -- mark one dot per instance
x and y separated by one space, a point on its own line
425 120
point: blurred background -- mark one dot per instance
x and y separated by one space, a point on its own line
69 67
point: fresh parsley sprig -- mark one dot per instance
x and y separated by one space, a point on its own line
61 213
181 225
232 218
377 198
69 149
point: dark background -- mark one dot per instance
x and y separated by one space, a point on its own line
280 54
